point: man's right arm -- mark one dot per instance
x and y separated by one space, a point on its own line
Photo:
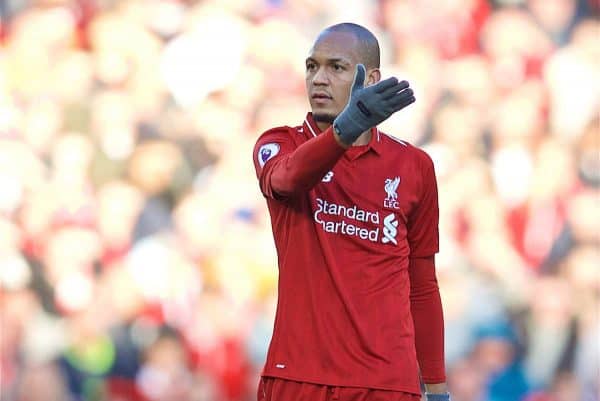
294 170
300 170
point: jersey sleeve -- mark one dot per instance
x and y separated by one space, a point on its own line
428 319
423 222
272 145
284 169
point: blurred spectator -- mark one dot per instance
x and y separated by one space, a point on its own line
496 355
136 257
42 383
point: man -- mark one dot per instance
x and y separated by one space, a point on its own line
355 221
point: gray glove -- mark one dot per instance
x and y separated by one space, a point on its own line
370 106
437 397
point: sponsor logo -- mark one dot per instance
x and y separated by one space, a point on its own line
351 217
328 176
391 199
352 213
390 231
266 152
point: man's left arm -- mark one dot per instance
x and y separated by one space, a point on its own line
426 305
428 320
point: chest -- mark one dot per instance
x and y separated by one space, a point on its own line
372 184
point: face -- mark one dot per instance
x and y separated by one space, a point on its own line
330 68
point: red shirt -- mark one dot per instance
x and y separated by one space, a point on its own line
343 239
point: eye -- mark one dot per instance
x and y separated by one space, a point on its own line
338 67
310 66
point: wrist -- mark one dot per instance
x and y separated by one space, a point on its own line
436 392
338 138
436 388
347 128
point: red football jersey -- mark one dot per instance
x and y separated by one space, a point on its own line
343 315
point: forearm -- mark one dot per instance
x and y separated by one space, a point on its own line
426 309
305 167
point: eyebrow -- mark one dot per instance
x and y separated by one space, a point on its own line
330 60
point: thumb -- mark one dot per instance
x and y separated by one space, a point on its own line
359 77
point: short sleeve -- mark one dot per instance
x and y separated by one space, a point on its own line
270 146
423 223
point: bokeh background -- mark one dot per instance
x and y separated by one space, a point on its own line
136 257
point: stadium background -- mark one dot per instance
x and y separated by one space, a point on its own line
136 258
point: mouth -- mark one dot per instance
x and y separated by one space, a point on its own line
321 97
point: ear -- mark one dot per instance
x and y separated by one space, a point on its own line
373 76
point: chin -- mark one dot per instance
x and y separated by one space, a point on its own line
323 117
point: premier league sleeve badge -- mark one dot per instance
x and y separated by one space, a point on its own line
266 152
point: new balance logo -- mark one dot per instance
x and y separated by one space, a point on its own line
328 176
390 230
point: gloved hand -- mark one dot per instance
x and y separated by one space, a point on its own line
371 105
437 397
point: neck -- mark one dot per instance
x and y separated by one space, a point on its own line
322 125
363 139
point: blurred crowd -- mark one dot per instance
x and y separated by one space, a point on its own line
136 255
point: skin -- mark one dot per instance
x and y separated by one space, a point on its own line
330 68
436 388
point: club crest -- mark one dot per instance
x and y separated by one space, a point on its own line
391 188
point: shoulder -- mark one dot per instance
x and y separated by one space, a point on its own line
407 150
272 138
282 133
273 142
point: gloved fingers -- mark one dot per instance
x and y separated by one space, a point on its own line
401 100
402 103
383 86
392 90
400 96
359 77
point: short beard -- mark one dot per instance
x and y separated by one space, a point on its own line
324 118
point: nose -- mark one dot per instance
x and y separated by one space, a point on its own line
320 77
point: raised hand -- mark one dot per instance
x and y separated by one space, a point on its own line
371 105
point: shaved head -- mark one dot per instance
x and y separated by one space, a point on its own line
331 65
367 44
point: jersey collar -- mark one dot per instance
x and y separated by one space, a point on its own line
312 130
